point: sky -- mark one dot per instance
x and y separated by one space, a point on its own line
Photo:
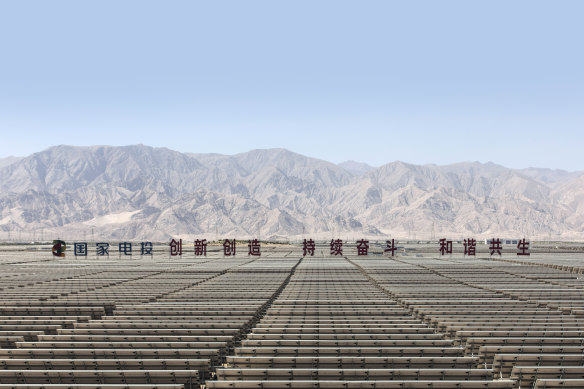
372 81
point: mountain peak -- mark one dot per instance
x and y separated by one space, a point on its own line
356 168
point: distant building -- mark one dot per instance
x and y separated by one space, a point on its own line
503 241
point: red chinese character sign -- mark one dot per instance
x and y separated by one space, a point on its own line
445 246
176 247
229 247
470 247
254 248
495 246
390 247
336 247
362 247
201 247
308 248
523 247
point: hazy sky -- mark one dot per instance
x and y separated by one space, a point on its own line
373 81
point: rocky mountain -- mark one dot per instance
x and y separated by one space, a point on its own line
550 177
140 192
356 168
8 160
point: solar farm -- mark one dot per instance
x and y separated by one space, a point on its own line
281 320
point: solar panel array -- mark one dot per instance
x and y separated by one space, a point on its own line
281 321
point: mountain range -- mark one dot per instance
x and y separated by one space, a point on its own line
139 192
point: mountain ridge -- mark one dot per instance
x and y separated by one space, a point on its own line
138 191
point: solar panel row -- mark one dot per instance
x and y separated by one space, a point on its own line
279 321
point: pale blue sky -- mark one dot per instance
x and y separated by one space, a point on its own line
374 81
